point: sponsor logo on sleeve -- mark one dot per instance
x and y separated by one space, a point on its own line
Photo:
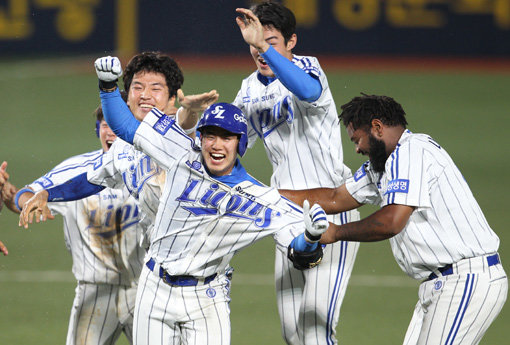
360 173
163 124
397 186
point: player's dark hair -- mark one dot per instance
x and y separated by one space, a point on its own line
158 63
277 15
361 110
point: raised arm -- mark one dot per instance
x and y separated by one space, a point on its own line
297 81
332 200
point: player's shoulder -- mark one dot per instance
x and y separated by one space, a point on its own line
82 159
305 62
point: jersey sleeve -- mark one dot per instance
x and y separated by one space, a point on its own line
311 66
104 172
362 186
160 137
406 170
66 170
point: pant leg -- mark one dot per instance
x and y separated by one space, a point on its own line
458 308
309 301
167 314
93 319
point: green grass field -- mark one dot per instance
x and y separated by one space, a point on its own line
46 116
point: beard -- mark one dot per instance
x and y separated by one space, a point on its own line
377 154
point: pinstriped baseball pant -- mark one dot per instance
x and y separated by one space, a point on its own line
309 301
458 308
190 315
100 313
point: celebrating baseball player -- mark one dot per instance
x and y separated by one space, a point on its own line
288 105
210 208
436 228
102 233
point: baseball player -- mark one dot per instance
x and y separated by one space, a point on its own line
102 234
210 209
437 231
289 106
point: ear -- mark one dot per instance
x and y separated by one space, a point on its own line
291 43
377 128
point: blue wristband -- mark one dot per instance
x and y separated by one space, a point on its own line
18 194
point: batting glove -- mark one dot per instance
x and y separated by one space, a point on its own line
108 70
316 222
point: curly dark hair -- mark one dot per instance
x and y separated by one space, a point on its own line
277 15
158 63
361 110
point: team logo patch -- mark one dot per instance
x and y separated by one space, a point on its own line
195 165
210 292
163 124
438 285
360 173
397 186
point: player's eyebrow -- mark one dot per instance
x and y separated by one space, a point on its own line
271 38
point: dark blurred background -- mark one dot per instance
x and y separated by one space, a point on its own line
462 28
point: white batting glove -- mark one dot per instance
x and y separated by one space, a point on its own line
108 68
316 222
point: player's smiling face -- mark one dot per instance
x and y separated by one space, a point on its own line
368 145
106 135
275 38
219 149
147 90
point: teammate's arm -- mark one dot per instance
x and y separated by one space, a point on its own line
3 248
303 85
191 108
74 189
380 225
332 200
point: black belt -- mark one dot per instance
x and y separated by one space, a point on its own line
448 269
178 280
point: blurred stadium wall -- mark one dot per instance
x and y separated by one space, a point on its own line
454 28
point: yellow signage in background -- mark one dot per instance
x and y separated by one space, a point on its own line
75 21
14 20
306 11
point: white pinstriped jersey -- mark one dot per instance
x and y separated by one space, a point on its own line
201 222
302 139
101 231
123 166
447 224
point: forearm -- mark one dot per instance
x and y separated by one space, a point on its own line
300 83
381 225
187 120
332 200
74 189
118 116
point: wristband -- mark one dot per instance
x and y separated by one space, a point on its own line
107 86
18 194
311 238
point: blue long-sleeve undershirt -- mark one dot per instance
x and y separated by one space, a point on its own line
75 189
118 116
303 85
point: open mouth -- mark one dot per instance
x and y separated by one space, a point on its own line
147 107
109 143
262 62
217 157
